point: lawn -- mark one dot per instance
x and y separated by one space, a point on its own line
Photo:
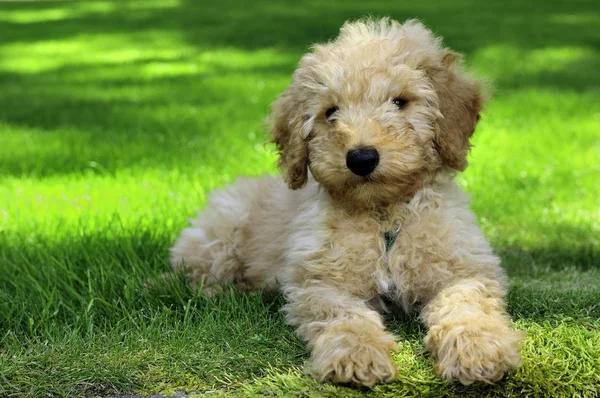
118 118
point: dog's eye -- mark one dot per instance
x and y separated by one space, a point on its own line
399 102
329 112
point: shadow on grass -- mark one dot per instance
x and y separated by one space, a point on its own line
110 270
97 290
110 114
122 122
290 24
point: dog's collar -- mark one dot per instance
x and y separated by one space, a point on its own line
390 238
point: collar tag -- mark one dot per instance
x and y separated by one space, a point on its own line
390 239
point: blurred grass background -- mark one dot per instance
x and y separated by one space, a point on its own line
118 117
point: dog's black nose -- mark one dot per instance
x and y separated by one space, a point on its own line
362 161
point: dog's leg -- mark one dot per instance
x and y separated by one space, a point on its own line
347 338
208 263
209 251
470 336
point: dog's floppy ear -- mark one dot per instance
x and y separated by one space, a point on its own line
460 101
289 130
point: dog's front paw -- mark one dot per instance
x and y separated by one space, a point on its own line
356 359
484 350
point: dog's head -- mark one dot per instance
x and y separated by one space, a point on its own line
375 113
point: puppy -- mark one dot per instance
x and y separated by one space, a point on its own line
370 133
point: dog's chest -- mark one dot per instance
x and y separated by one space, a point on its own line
391 274
370 247
387 272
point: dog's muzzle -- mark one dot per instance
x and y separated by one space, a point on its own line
362 161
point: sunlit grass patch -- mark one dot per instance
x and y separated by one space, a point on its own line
560 360
510 60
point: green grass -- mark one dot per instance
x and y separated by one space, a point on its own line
117 118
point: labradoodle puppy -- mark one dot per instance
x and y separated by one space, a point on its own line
370 134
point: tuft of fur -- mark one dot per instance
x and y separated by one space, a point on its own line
317 235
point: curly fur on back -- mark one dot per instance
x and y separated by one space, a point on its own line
318 235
